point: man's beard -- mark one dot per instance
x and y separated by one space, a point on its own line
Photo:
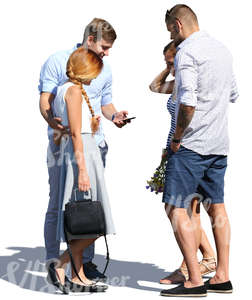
178 41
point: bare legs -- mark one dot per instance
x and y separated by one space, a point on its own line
77 247
185 234
221 231
200 235
200 238
205 247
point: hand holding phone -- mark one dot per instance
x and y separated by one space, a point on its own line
128 120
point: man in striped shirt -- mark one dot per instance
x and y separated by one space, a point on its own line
204 85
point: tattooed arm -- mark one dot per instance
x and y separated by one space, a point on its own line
187 78
185 116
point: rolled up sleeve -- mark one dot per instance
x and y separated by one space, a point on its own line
187 80
234 91
48 81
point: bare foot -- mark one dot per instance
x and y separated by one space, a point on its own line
85 281
60 274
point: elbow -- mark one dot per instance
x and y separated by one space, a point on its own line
75 135
154 89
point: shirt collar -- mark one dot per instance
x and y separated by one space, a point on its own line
192 37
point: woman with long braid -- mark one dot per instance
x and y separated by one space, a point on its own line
80 164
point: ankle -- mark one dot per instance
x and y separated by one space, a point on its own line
219 277
193 283
207 255
183 265
76 279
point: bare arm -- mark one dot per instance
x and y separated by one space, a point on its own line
160 85
74 112
185 116
109 110
45 103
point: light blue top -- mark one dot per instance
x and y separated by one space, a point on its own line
53 74
204 79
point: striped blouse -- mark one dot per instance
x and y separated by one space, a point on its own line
171 106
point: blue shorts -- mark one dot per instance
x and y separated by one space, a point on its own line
189 175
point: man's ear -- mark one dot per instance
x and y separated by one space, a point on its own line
178 26
90 40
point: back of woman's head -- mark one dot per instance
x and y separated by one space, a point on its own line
84 65
170 47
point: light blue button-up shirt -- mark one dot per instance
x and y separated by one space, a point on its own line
53 74
204 79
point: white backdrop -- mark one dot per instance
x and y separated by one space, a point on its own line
144 245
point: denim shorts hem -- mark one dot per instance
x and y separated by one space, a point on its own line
180 204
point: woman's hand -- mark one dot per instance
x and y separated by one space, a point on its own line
83 181
98 118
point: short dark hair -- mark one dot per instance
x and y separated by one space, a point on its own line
171 47
99 29
180 11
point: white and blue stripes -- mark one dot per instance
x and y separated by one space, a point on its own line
171 106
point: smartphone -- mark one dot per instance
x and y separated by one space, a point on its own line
129 119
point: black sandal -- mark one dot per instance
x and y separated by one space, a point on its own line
81 288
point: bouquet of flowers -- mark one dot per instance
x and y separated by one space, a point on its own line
156 183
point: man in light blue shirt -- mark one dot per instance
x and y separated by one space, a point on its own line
99 36
205 86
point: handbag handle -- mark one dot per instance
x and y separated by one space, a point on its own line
89 194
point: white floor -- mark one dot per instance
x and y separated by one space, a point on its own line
144 248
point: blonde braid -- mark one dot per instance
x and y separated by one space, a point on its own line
78 80
94 121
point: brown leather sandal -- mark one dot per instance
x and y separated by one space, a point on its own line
181 275
174 278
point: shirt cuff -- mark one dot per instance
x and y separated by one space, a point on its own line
48 88
105 101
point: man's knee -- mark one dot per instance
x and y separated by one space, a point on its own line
216 209
174 212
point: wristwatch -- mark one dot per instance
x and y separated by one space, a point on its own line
176 141
113 116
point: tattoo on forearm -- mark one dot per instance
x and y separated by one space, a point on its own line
185 116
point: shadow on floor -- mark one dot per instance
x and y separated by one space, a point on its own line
26 269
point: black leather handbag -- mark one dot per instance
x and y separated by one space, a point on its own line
84 217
